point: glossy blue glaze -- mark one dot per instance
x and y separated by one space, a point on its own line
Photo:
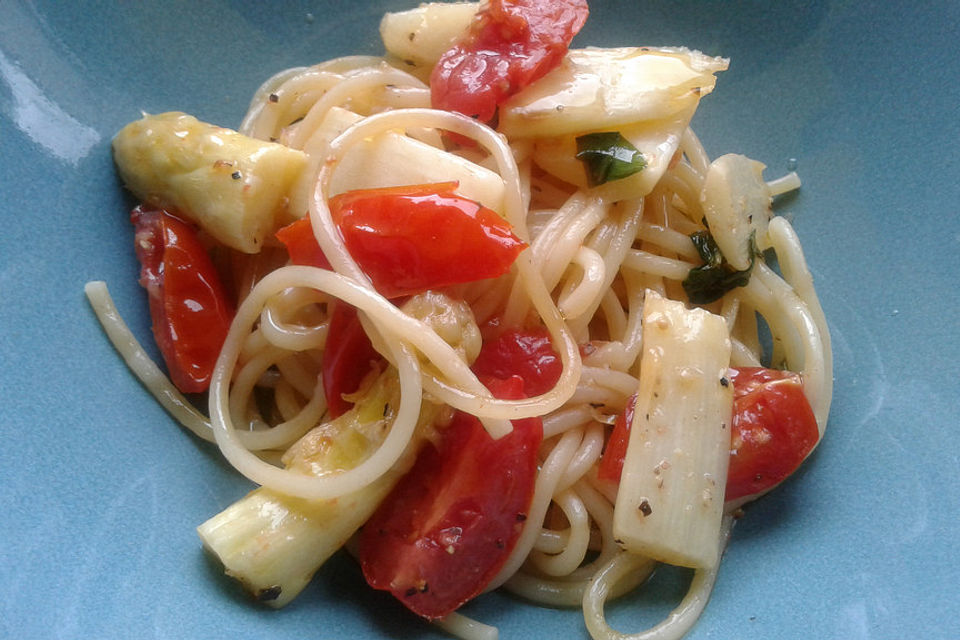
100 491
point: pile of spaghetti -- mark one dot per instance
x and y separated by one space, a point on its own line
481 310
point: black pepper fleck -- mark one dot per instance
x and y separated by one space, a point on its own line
645 508
724 382
270 593
274 97
235 175
412 591
521 517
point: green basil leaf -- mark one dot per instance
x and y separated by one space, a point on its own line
607 156
714 278
707 248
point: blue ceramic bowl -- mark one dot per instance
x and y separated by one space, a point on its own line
100 491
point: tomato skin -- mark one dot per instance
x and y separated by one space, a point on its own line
611 464
189 307
302 246
413 238
410 239
772 430
527 353
449 525
508 46
347 358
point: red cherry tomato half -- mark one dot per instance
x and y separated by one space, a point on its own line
413 238
410 239
509 45
449 525
347 359
773 430
188 305
528 354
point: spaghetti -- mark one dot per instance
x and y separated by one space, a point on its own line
595 261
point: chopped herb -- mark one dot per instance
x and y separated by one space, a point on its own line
607 156
711 280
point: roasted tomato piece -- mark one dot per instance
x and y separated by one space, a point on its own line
347 359
773 430
525 353
611 464
190 310
449 525
509 45
411 239
301 244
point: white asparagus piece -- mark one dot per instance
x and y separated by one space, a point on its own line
596 89
392 159
670 499
273 544
234 186
647 95
421 35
